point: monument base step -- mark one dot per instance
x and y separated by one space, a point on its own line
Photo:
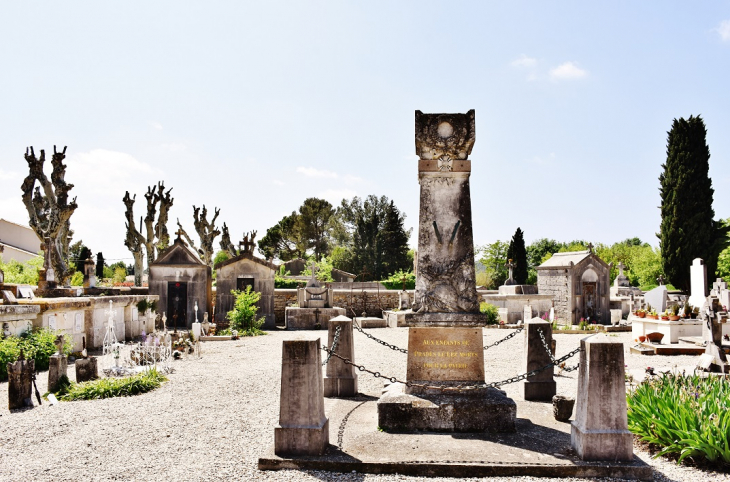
487 410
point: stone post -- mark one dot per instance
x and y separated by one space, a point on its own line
20 383
600 429
539 387
341 379
86 369
303 428
698 280
89 273
58 366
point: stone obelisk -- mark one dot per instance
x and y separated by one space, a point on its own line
445 339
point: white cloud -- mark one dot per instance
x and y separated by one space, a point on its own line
524 61
8 175
724 30
174 147
277 182
313 172
334 196
105 174
567 71
350 179
156 125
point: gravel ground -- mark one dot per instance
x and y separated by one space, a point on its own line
216 416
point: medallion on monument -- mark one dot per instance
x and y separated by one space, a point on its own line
444 137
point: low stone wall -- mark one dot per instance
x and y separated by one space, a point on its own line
515 304
372 301
87 316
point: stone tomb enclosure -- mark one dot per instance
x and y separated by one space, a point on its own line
239 272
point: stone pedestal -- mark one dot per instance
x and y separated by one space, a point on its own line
310 318
86 369
600 429
341 379
58 366
539 387
20 384
445 356
303 428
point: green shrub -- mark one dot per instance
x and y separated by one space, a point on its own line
242 317
22 273
111 387
77 279
395 281
686 416
37 345
491 311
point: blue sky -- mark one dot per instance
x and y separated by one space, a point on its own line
253 106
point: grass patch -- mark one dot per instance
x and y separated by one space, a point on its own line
110 387
687 417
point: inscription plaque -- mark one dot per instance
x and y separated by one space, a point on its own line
445 354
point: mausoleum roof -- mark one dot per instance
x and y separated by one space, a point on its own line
178 253
250 257
564 260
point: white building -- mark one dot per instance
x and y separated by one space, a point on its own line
18 242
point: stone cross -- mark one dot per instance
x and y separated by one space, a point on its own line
621 268
719 285
403 279
590 247
179 233
314 270
660 280
511 266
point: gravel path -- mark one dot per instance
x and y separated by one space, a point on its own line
216 416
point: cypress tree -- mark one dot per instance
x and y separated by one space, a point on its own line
518 253
394 242
99 265
688 230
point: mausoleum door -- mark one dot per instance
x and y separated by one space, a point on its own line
590 300
177 304
242 283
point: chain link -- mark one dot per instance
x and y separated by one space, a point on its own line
549 351
384 343
334 344
458 388
343 424
511 335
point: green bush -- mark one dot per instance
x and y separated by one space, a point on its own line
242 317
686 416
491 311
37 345
22 273
111 387
77 279
395 281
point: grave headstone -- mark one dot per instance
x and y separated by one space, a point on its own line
86 369
527 313
20 383
58 365
657 298
720 290
698 280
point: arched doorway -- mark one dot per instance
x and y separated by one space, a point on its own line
589 291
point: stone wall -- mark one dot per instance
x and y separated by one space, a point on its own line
554 282
373 301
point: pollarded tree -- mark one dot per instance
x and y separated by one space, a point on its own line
518 254
50 211
688 229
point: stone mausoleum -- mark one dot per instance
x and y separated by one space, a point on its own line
238 273
578 281
180 278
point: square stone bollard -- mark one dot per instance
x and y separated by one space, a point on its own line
539 387
303 428
58 366
20 383
600 429
341 379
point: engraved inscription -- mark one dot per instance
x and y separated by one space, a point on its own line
445 354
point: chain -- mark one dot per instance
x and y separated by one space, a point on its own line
511 335
552 358
384 343
458 388
341 430
334 345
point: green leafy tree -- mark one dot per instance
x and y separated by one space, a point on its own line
22 273
242 317
314 225
120 275
324 269
284 240
493 258
378 243
518 254
688 230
